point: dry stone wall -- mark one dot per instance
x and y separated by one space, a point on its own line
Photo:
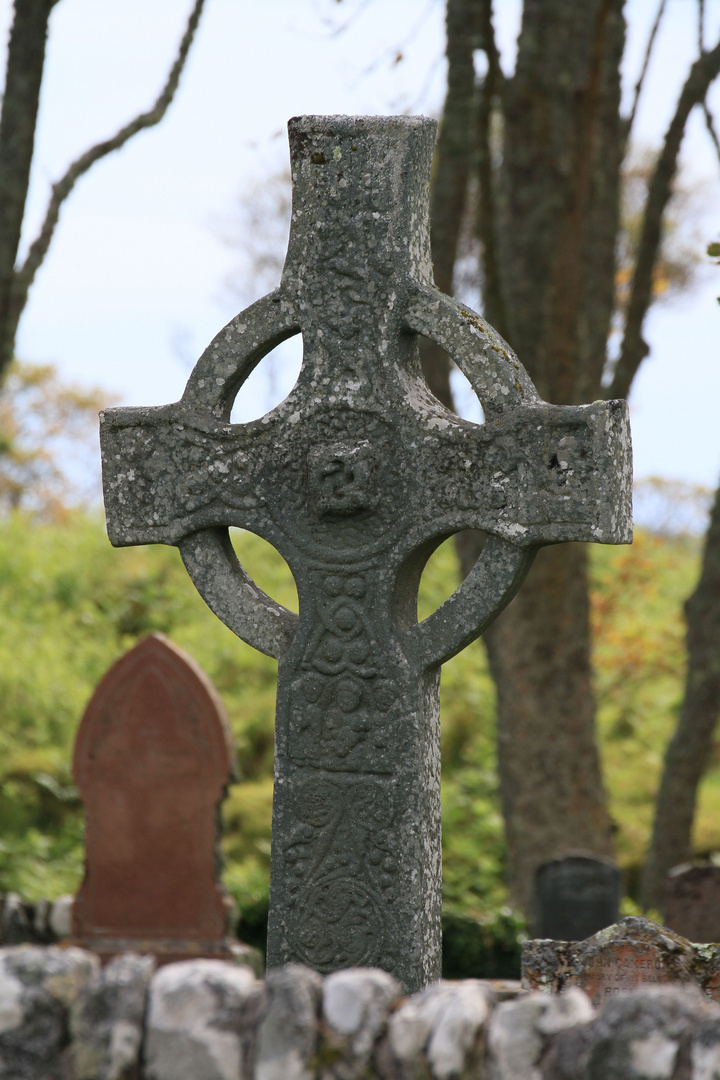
65 1017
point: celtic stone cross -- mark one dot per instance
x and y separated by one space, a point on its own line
356 478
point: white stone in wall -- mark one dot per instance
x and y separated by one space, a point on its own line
37 987
519 1030
456 1035
201 1020
355 1006
60 918
445 1023
288 1033
106 1020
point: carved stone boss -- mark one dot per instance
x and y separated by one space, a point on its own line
356 478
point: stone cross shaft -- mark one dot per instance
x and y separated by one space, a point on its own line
356 478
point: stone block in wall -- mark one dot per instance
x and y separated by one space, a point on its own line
38 985
288 1033
355 1007
60 917
106 1020
520 1031
662 1033
440 1032
201 1021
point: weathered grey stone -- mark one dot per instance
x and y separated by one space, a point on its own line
442 1030
455 1041
519 1031
355 478
201 1021
106 1020
705 1049
355 1007
60 919
288 1033
664 1033
37 987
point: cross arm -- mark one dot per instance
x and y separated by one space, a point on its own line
169 479
539 474
166 474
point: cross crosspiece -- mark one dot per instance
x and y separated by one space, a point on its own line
355 478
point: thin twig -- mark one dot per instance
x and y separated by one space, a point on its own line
61 189
646 61
701 26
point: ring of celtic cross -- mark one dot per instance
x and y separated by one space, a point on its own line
356 477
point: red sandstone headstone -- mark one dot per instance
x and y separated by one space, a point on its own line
153 758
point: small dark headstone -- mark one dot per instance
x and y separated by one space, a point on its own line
575 896
692 905
153 757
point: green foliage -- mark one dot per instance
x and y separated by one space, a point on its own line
72 605
487 948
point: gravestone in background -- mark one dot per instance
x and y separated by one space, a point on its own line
575 896
634 954
692 902
356 478
153 758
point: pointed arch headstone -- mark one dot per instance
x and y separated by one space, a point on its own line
153 758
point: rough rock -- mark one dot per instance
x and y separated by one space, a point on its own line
288 1034
37 987
648 1035
201 1021
106 1020
355 1007
60 918
519 1031
443 1026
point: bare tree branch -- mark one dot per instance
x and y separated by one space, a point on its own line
710 125
701 26
25 274
451 168
634 347
643 70
492 87
23 78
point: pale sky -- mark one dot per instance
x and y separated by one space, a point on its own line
132 289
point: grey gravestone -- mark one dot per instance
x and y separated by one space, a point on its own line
575 896
355 478
692 902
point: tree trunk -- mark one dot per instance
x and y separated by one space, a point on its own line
451 168
689 750
550 781
562 149
26 59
